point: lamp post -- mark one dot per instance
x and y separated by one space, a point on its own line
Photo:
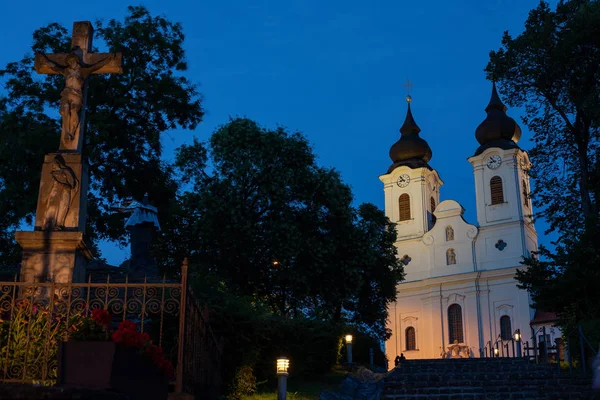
496 350
282 374
518 339
349 348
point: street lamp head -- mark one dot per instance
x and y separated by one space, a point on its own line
518 336
282 365
348 338
496 351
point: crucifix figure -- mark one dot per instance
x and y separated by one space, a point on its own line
76 67
407 86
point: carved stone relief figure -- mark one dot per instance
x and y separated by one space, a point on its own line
449 233
71 101
450 257
65 186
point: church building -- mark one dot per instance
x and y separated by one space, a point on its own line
459 296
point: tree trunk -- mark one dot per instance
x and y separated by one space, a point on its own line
582 148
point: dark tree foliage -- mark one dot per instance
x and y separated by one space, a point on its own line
126 117
275 226
566 281
553 69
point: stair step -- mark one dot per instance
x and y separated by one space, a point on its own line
488 396
485 389
502 379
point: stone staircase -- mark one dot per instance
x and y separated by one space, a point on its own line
482 378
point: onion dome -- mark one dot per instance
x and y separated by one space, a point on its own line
411 150
498 129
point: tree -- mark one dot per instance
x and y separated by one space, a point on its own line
553 69
275 226
126 117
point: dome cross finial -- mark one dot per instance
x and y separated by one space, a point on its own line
407 86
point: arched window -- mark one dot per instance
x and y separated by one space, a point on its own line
411 342
432 204
450 257
525 194
449 234
505 328
455 326
404 206
496 190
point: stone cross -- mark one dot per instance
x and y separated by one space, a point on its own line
76 66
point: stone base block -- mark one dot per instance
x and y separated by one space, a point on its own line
53 256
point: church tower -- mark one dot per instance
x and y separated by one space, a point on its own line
412 191
502 190
411 186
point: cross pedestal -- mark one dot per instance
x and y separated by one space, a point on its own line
59 257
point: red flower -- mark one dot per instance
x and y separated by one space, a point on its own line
101 317
128 335
117 336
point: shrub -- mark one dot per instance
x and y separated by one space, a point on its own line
29 342
244 383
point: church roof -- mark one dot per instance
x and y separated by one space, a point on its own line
410 150
498 129
543 317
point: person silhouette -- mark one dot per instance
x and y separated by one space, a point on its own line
397 360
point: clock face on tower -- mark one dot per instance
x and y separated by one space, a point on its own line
494 161
403 180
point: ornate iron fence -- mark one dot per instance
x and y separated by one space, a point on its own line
34 318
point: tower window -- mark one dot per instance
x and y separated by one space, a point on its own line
450 257
404 207
505 328
496 190
449 234
455 326
432 204
411 342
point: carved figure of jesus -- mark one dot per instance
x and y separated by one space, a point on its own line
65 186
71 101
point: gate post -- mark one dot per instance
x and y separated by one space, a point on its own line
180 341
583 366
545 345
569 351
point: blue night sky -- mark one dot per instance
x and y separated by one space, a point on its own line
333 70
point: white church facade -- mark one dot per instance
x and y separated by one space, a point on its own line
459 293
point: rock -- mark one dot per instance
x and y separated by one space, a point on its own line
364 385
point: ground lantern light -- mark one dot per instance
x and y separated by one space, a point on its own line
517 337
283 364
349 348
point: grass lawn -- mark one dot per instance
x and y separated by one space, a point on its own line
302 389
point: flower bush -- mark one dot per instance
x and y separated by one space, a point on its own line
25 332
127 334
30 333
96 326
90 327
